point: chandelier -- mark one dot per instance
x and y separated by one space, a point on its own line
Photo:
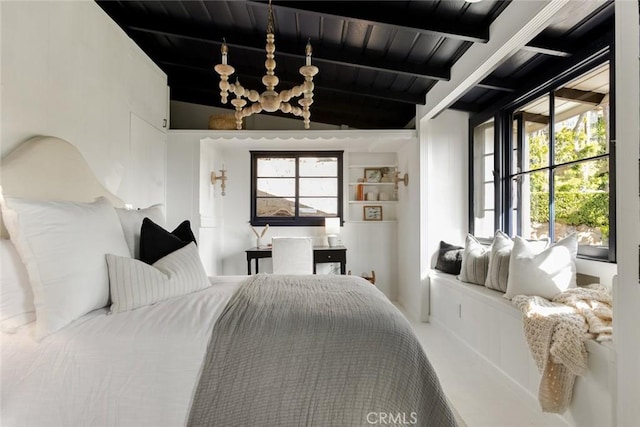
269 100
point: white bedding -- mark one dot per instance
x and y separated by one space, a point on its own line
137 368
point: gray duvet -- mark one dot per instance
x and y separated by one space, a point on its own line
315 351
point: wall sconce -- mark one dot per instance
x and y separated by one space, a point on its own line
222 178
397 179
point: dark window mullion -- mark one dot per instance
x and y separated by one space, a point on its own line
551 173
519 161
612 157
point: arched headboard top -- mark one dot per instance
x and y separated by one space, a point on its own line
49 168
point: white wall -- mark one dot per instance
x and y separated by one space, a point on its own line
442 199
370 246
408 214
626 328
191 196
69 71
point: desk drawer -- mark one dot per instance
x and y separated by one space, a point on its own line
329 256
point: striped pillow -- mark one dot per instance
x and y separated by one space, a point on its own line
134 283
475 261
499 256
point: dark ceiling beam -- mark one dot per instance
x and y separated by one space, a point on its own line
335 104
365 12
255 82
319 114
547 50
496 84
468 107
321 54
535 118
581 96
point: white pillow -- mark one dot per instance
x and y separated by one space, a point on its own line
475 261
63 245
499 259
131 221
135 283
16 297
545 274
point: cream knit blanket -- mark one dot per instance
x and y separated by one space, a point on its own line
556 330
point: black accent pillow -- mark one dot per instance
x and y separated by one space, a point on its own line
449 258
156 242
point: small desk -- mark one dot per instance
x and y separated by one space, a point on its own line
321 254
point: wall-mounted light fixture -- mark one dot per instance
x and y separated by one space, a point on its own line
222 178
397 179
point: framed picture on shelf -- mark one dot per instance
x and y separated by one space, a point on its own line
372 213
372 174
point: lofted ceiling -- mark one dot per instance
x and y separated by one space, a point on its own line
377 59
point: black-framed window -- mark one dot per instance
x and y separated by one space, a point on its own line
295 188
553 162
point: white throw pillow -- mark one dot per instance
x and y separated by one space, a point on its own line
131 221
136 284
16 297
545 274
475 261
63 245
500 256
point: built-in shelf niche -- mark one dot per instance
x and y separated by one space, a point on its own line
362 193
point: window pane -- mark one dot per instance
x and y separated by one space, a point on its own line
489 196
322 206
275 207
582 116
484 226
488 168
535 205
318 166
279 187
271 167
536 130
581 202
319 187
483 197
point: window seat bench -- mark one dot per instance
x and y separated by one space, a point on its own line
491 326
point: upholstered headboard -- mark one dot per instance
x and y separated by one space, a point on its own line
48 168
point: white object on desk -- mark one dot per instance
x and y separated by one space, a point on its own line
332 229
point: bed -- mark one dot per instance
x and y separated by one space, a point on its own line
229 350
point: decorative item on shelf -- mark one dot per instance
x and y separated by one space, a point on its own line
332 230
222 122
385 175
372 213
222 178
372 196
259 243
360 190
269 100
372 174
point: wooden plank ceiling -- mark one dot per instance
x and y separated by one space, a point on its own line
377 59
